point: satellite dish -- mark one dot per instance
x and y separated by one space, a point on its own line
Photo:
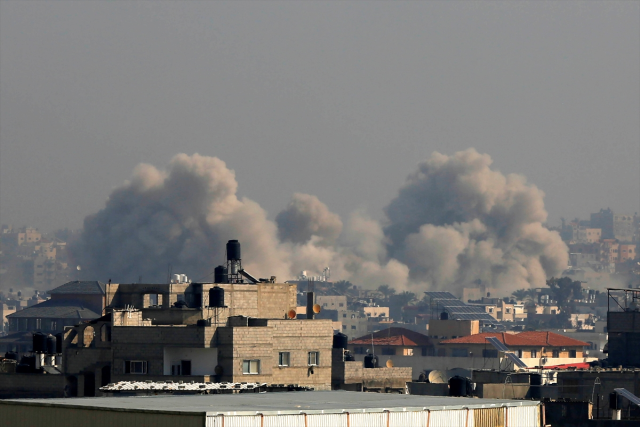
291 314
78 268
317 308
389 363
437 377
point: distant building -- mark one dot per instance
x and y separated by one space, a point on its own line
28 235
535 348
614 226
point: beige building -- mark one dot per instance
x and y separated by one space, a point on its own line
373 312
28 235
588 235
124 347
332 302
626 252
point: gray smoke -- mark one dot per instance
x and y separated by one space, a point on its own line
305 217
182 217
454 221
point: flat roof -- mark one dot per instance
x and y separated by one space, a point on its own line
294 402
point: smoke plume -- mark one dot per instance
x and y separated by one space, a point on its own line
453 222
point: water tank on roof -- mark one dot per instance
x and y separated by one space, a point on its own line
59 339
444 316
51 344
220 274
535 382
370 361
340 340
39 342
11 355
216 297
459 386
233 250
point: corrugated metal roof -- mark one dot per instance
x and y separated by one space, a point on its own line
283 403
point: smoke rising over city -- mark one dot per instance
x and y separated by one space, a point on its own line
455 221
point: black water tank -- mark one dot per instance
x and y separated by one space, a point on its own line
220 274
51 344
233 250
340 340
535 381
349 357
370 361
444 316
458 386
216 297
11 355
39 342
615 401
59 339
201 322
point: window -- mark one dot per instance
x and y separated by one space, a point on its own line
344 315
489 353
54 325
176 369
359 350
427 351
135 366
314 358
555 354
283 358
388 351
38 323
459 352
518 353
572 354
353 326
344 327
341 304
408 352
508 310
491 310
251 367
534 353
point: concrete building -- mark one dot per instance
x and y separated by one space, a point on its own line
614 226
535 348
332 302
28 235
122 346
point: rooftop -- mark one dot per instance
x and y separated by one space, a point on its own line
52 309
274 403
393 336
80 288
530 338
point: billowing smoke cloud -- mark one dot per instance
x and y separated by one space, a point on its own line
454 221
182 217
306 216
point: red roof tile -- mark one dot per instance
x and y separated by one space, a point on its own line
532 338
394 336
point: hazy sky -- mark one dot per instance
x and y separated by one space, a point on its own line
340 99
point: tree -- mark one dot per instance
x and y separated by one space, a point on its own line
342 286
387 291
398 301
564 291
